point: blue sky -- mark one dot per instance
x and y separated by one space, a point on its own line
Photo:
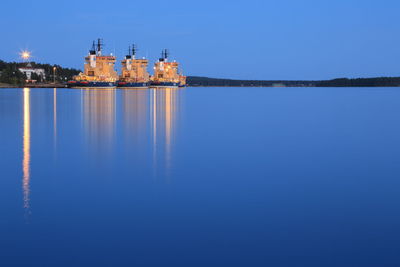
243 39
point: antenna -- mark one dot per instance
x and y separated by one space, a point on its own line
165 53
129 51
134 49
100 45
93 50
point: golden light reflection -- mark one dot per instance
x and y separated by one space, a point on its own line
149 121
169 115
154 128
55 116
164 117
135 113
26 149
99 118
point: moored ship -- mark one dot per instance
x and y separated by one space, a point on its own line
134 72
98 72
166 73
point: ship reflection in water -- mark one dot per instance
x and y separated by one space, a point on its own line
164 106
99 119
143 120
135 116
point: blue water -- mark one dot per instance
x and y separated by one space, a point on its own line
200 177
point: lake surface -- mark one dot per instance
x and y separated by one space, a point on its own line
200 177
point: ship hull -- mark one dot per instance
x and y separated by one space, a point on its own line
165 84
128 85
97 85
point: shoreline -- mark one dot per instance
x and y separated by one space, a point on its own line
52 86
42 85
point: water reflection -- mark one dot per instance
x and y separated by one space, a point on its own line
55 116
99 118
151 115
164 107
26 161
135 105
148 122
147 119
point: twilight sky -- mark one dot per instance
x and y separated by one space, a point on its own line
243 39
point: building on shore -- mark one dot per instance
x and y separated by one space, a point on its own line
29 71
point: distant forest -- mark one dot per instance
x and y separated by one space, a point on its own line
204 81
10 74
344 82
365 82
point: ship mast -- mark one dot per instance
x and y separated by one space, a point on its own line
164 55
129 55
93 50
100 46
134 50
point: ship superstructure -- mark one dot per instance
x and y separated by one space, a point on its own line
166 73
98 71
134 71
182 80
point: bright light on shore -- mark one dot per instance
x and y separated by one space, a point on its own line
25 55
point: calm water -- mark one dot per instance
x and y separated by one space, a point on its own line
200 177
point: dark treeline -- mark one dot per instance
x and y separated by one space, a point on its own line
10 74
204 81
365 82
